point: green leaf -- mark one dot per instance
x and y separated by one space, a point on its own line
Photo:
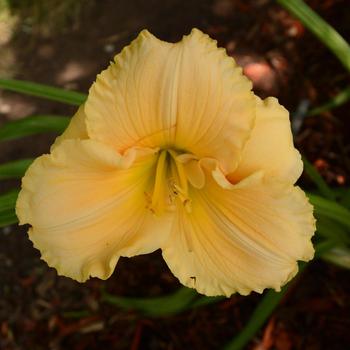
43 91
267 305
345 199
330 209
343 196
332 230
323 247
325 32
318 180
33 125
155 307
7 217
336 101
14 169
339 256
7 208
262 312
8 200
204 301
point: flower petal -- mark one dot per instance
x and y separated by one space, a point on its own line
242 239
76 128
189 96
87 207
270 146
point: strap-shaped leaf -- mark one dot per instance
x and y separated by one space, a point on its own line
159 306
332 230
43 91
325 32
339 256
7 208
345 197
262 312
318 180
33 125
267 305
330 209
14 169
338 100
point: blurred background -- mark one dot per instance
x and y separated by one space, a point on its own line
65 43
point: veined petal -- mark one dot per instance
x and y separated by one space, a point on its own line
270 147
86 205
241 238
76 128
189 96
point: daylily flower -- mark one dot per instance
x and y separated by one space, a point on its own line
172 150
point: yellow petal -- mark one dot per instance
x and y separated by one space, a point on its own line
86 205
194 173
188 96
242 238
76 128
270 147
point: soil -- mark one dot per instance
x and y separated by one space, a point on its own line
40 310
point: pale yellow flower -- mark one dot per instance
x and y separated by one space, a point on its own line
172 150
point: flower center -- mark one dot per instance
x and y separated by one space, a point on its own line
170 184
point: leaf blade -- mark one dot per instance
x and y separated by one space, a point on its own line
266 306
33 125
330 209
338 100
158 306
7 208
320 28
314 175
14 169
44 91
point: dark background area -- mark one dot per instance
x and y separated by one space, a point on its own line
66 44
